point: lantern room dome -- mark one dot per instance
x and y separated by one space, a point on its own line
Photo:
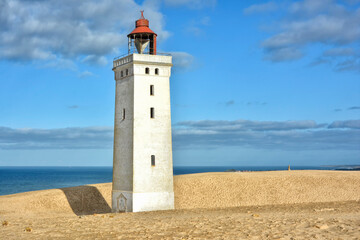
141 26
142 22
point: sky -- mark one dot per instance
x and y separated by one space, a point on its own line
254 83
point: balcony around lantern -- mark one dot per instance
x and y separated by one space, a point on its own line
159 58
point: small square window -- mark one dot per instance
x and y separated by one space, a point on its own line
151 90
153 160
152 113
123 114
156 71
147 70
127 72
122 74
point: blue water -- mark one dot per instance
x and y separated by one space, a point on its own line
24 179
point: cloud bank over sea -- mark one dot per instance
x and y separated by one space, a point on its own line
289 135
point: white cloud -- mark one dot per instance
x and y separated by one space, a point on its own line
194 4
260 8
310 6
331 24
324 29
205 21
286 135
229 103
352 2
182 59
341 59
335 52
61 138
85 74
67 29
289 135
354 124
283 54
96 60
247 125
196 27
59 63
73 107
348 65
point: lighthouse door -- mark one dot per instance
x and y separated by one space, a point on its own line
122 203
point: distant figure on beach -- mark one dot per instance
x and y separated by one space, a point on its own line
289 168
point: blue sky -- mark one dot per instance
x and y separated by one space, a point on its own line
253 82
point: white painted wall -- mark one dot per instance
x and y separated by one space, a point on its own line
137 137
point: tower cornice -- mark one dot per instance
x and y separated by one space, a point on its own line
162 60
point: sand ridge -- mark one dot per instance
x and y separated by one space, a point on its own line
240 205
264 188
204 190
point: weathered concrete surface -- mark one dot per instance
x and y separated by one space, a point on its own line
137 136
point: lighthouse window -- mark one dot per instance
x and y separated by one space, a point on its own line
123 114
151 90
127 72
156 71
153 160
147 70
122 73
152 113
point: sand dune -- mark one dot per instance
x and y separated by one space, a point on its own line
256 205
265 188
206 190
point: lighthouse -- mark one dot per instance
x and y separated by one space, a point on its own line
142 158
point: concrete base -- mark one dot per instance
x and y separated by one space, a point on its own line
123 201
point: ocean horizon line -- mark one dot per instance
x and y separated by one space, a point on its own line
202 165
16 179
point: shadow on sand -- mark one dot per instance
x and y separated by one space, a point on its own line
86 200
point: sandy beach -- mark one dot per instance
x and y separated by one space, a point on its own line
240 205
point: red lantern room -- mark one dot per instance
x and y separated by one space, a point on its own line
142 37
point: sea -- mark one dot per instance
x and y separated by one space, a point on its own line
24 179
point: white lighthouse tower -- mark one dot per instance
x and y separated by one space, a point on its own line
142 164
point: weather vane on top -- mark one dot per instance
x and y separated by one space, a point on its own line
142 14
